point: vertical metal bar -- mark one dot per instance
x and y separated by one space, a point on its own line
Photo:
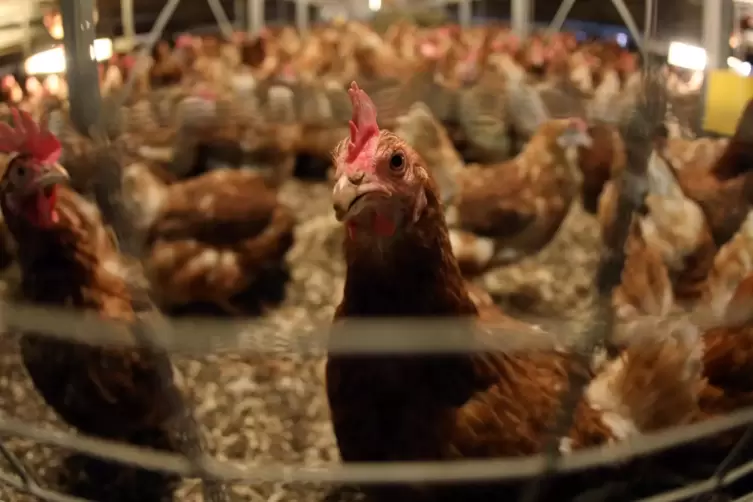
716 28
256 15
632 26
240 15
559 17
81 65
465 13
128 22
521 17
648 20
302 15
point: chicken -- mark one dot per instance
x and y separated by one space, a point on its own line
694 153
722 189
506 211
600 162
68 259
441 407
210 238
426 135
672 244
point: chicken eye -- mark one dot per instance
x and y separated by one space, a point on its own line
397 161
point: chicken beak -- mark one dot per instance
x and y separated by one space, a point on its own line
49 174
343 196
350 188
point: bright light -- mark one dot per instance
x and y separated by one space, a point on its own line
101 50
53 60
375 5
687 56
54 24
50 61
622 39
741 67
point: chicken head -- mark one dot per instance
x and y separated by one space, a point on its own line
30 172
380 180
572 133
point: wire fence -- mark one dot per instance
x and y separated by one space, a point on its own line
202 336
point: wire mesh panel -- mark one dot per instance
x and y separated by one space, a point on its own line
255 389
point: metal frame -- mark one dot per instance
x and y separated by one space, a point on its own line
82 72
252 18
567 5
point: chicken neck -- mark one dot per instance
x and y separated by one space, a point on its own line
415 275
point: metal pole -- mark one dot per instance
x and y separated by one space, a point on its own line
302 15
559 17
648 20
465 13
521 17
81 66
632 26
127 20
717 24
255 15
226 27
240 15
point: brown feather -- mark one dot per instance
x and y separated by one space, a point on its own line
101 391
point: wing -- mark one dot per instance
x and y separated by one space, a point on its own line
223 205
495 203
189 270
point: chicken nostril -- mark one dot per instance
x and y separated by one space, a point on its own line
356 178
339 211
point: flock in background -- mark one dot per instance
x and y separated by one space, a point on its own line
456 151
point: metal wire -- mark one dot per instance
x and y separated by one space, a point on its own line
199 336
398 472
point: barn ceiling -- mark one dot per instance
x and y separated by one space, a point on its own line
680 18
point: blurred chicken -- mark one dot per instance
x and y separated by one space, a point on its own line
600 162
211 238
430 140
722 188
671 244
69 260
507 211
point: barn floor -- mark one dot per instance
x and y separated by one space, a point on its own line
257 409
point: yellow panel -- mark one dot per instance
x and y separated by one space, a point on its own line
727 93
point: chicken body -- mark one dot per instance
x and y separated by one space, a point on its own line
505 212
671 243
209 238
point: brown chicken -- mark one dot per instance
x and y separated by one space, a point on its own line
723 189
671 242
68 259
507 211
600 162
440 407
210 238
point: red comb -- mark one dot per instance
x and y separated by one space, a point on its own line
579 124
184 41
363 124
206 93
27 138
